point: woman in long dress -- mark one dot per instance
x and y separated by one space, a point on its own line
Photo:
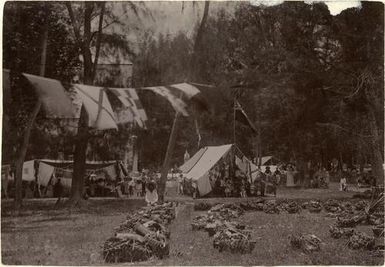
290 176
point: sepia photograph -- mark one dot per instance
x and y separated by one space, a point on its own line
192 133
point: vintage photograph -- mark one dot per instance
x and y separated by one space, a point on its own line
192 133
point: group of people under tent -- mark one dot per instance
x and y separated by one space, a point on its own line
142 184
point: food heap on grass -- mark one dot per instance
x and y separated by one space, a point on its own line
349 221
360 240
255 205
307 243
332 206
338 232
312 206
233 240
143 235
226 211
290 207
229 235
271 206
360 205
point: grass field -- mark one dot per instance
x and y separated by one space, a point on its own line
42 235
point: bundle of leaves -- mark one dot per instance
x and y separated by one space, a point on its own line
307 243
347 207
125 250
271 206
226 211
360 240
143 235
312 206
218 225
338 232
349 221
290 207
199 222
256 205
202 206
233 240
361 205
332 205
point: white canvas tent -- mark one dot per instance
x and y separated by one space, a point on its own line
198 166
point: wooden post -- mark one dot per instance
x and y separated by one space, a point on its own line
167 159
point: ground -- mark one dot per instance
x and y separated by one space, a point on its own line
44 235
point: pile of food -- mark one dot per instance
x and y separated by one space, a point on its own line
290 207
338 232
360 240
233 240
333 206
349 221
312 206
256 205
307 243
143 235
271 206
229 235
361 205
226 211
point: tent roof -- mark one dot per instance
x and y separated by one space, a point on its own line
89 164
210 156
265 159
188 165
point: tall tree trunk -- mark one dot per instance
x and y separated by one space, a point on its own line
376 158
89 70
79 160
28 129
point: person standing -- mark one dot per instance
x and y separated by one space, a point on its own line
180 184
151 195
290 176
58 190
194 189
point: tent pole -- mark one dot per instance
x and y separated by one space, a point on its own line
167 159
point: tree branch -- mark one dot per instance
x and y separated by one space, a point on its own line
75 25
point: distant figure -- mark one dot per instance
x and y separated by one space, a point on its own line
144 181
194 189
228 188
186 156
138 187
243 188
180 184
151 196
58 190
290 176
131 185
343 184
